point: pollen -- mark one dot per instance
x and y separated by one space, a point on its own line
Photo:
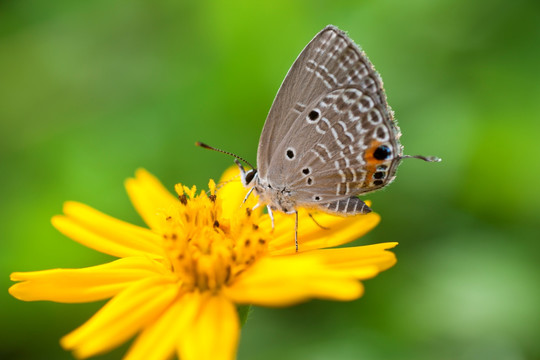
205 250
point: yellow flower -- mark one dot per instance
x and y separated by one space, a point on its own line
176 284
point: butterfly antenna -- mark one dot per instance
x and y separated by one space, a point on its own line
425 158
205 146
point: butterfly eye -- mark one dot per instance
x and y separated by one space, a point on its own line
250 175
382 152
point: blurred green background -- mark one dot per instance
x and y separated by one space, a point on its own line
90 91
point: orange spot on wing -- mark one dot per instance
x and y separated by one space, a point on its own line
371 162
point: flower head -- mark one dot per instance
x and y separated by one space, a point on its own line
176 284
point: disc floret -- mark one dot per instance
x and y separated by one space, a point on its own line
206 250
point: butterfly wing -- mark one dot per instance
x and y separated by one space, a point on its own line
331 60
333 150
328 119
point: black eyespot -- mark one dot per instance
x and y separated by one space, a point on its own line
290 154
316 198
309 181
313 115
378 182
382 152
378 175
305 171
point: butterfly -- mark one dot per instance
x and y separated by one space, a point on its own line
329 136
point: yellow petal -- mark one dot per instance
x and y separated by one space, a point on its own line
122 317
149 197
341 230
310 235
106 234
232 193
361 262
214 333
286 280
160 340
83 285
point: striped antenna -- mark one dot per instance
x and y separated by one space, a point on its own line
425 158
205 146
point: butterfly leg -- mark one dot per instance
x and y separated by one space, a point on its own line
271 214
317 223
296 230
247 196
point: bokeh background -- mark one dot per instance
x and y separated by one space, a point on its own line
90 91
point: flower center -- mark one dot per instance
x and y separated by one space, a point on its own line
205 249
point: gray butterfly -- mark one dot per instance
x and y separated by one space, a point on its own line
330 134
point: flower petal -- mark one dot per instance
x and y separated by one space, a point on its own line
286 280
122 317
214 333
160 340
232 193
341 230
361 262
149 197
83 285
106 234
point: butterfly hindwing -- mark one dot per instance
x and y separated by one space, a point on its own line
327 154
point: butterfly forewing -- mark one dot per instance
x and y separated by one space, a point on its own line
326 123
330 61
